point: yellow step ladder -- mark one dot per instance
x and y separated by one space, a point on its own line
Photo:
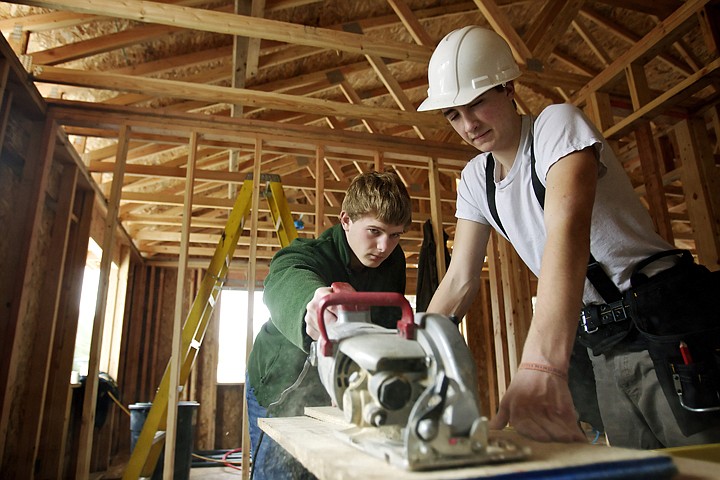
150 443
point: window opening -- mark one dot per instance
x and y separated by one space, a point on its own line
233 332
86 316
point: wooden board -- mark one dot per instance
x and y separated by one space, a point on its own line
314 441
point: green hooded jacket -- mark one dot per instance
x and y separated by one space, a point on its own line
282 346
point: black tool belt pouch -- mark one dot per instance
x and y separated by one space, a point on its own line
682 304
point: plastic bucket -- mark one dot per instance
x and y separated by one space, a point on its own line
184 438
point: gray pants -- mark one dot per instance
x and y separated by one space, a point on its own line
634 409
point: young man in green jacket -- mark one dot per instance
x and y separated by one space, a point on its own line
362 250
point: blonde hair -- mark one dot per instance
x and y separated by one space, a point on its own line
379 193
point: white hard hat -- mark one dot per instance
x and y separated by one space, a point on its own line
467 63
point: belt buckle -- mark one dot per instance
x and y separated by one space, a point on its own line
585 320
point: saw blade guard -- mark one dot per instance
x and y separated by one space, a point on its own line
445 426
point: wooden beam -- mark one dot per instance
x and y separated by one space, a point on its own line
550 25
500 23
582 30
653 181
245 55
599 110
103 44
551 78
436 218
665 33
396 91
178 313
701 183
709 21
319 191
87 425
500 336
411 23
640 94
41 22
672 96
660 8
622 33
479 337
220 176
195 238
218 94
517 301
113 330
230 24
47 21
251 273
205 374
354 99
215 129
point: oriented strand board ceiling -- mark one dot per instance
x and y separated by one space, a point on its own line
316 91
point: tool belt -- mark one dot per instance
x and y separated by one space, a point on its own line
604 326
677 313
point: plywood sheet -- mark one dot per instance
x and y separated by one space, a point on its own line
315 443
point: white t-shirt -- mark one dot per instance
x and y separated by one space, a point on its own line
622 232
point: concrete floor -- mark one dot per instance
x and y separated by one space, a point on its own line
205 473
215 473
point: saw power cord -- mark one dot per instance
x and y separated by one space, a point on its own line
224 461
283 396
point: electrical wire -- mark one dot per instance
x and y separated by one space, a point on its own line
223 461
228 463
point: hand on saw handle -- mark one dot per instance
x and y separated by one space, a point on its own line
330 312
538 405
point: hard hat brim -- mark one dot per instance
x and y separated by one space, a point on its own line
461 99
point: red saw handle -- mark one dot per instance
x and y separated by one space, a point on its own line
343 294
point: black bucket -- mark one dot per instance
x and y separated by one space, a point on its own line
184 437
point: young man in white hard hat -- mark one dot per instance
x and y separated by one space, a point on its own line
552 186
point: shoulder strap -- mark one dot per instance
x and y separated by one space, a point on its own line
595 273
490 190
538 187
602 283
